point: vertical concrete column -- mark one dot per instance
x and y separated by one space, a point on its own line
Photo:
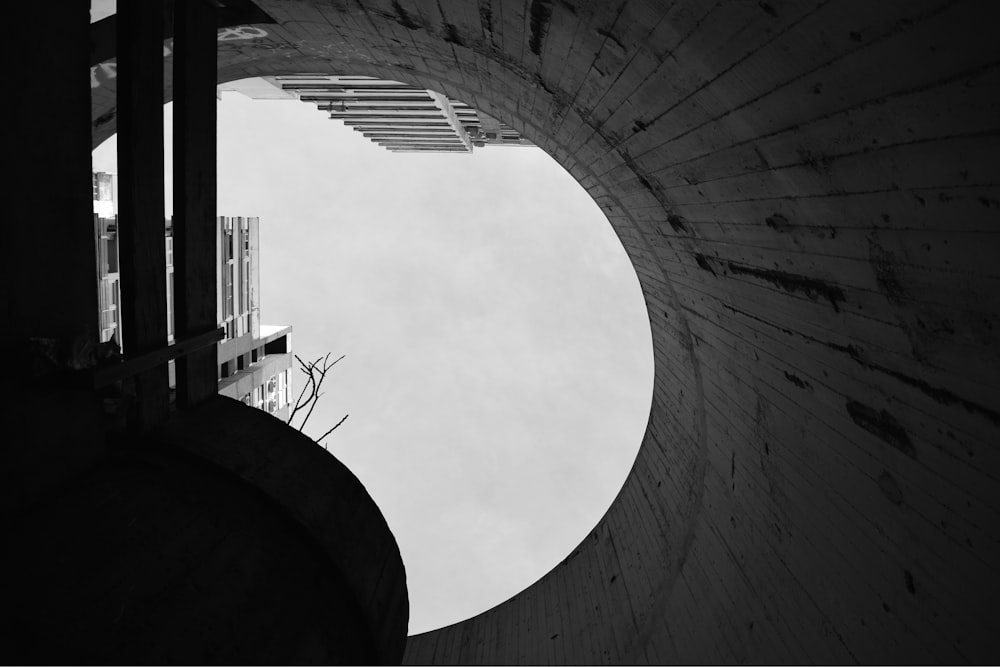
140 210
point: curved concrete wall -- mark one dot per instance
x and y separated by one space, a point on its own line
808 192
223 536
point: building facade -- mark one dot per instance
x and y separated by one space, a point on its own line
106 249
255 361
399 117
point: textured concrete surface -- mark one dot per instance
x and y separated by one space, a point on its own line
809 195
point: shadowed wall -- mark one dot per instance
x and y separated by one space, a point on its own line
808 193
223 536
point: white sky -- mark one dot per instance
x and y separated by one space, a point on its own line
499 363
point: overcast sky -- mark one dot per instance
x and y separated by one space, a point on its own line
499 363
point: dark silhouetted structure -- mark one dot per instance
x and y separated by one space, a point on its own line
809 195
138 531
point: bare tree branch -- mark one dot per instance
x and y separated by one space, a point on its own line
315 372
298 401
309 370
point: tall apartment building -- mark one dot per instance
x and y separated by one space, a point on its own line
396 116
255 360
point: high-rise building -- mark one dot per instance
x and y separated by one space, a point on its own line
255 360
396 116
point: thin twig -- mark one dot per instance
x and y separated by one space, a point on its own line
310 384
332 429
315 372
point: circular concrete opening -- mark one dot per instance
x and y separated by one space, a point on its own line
499 363
499 360
804 191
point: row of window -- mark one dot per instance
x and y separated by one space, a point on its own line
235 304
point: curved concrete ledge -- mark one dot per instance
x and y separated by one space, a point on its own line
224 537
808 194
318 492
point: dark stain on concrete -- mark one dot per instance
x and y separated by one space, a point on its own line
639 126
554 636
855 36
486 15
540 13
818 161
777 222
541 82
774 481
451 35
403 18
943 396
890 488
607 35
676 222
704 264
790 282
768 9
613 578
104 118
883 425
797 381
886 268
908 578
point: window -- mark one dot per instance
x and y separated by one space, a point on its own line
112 253
277 346
227 291
245 287
282 389
170 305
227 240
